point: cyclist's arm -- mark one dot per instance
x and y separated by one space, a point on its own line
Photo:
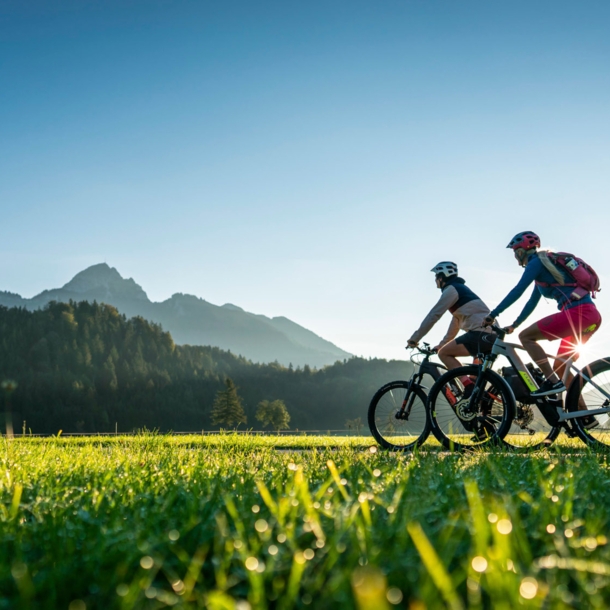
529 308
452 331
529 275
448 298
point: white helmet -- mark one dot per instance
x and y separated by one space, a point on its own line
447 268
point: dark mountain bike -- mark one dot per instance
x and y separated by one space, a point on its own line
397 417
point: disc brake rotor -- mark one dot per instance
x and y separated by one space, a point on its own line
525 416
463 411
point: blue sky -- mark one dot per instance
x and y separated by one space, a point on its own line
312 160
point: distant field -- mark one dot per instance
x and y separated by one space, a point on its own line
230 522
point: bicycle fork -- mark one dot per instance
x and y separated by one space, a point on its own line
478 392
407 403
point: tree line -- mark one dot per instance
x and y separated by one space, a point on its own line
86 367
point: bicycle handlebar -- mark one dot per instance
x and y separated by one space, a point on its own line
501 332
425 349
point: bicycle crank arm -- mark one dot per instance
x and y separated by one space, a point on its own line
583 413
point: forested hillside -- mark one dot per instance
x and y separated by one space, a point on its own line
193 321
84 367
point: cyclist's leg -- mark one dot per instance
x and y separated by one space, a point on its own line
568 350
574 326
529 339
584 328
574 322
450 353
471 343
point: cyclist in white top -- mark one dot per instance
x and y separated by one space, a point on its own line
468 313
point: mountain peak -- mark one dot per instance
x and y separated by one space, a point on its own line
102 276
94 275
231 307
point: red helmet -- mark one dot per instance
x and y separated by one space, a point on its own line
526 240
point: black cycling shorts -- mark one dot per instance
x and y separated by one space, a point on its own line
477 342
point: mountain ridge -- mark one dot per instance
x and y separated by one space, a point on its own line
193 320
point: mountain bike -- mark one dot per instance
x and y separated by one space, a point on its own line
586 413
397 416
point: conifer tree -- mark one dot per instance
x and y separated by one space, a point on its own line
227 409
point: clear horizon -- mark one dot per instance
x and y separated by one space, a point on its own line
310 161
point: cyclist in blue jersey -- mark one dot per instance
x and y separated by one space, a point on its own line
577 320
468 313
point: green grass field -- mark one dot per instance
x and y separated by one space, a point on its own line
232 522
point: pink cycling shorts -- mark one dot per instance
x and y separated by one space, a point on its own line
573 326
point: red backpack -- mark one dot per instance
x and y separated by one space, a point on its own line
584 278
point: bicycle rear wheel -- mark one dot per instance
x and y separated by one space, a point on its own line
529 430
582 394
391 426
456 423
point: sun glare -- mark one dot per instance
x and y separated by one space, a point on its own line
588 352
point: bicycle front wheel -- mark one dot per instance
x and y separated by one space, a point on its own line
587 395
398 418
459 423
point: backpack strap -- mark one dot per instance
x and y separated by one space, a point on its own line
555 285
548 261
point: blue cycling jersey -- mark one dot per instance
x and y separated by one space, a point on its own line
535 271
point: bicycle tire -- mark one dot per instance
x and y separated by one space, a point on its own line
599 372
389 431
544 434
454 432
